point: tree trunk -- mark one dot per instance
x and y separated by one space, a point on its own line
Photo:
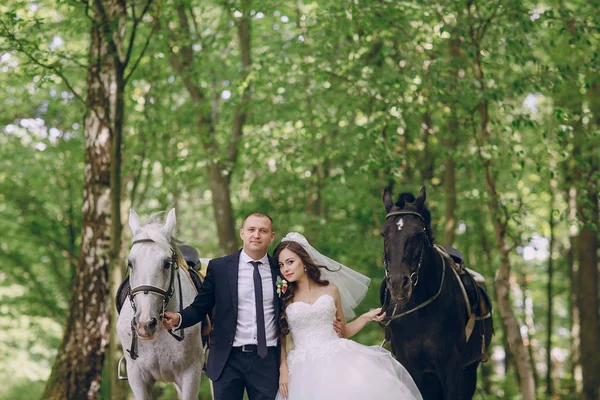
549 293
450 193
573 268
515 341
482 136
78 368
587 247
223 211
587 293
118 389
450 143
527 310
568 97
223 162
585 156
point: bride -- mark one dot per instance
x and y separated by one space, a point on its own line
322 365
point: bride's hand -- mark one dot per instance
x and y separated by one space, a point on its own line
283 381
339 327
374 315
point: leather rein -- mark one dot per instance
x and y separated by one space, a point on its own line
165 294
414 274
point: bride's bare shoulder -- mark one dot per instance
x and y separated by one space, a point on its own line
332 290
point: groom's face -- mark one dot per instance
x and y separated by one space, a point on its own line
257 233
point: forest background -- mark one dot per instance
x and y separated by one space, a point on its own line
305 110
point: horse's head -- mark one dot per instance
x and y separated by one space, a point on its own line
152 261
406 233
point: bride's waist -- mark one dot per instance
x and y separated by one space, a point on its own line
315 342
315 350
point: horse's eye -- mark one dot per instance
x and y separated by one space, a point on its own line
129 264
167 264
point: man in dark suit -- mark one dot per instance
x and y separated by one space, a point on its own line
244 345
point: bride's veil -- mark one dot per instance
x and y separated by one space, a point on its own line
352 285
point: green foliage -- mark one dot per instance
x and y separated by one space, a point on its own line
347 98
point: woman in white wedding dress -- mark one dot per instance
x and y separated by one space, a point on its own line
322 365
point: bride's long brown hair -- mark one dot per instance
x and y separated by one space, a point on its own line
312 270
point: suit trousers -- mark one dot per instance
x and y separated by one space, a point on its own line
246 370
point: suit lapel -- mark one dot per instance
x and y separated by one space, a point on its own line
233 269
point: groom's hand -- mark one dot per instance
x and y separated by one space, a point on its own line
339 327
170 320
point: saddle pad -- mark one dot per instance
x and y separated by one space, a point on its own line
476 275
472 290
122 292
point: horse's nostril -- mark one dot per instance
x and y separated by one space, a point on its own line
152 324
405 282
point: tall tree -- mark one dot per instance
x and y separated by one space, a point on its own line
586 148
78 368
483 135
549 290
221 150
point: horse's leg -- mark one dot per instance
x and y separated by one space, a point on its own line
450 374
189 383
430 387
141 390
469 382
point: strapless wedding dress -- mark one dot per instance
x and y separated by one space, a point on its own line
324 366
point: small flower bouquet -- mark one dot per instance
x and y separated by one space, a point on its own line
282 286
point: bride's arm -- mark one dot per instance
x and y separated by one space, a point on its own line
352 328
283 370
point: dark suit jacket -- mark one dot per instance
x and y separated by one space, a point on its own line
220 292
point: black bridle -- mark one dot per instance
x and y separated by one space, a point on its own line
414 276
165 294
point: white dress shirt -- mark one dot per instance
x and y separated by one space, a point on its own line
246 331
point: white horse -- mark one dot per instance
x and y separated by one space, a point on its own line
159 282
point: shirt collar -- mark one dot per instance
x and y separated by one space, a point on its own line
246 258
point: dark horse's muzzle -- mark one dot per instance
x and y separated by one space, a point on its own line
401 288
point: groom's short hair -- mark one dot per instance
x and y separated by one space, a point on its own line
257 214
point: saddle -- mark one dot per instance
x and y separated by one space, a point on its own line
473 283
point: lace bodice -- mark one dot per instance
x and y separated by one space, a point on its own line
311 325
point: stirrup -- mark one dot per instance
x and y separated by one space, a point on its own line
121 377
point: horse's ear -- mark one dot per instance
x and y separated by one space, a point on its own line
170 224
387 200
134 221
420 200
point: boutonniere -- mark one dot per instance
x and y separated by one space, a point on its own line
282 286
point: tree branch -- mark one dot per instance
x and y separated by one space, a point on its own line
136 21
33 59
135 65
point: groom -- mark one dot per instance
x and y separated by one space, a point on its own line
244 345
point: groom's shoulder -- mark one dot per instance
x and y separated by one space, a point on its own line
231 258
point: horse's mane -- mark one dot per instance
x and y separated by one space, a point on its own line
405 201
153 230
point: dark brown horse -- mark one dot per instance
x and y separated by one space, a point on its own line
427 309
